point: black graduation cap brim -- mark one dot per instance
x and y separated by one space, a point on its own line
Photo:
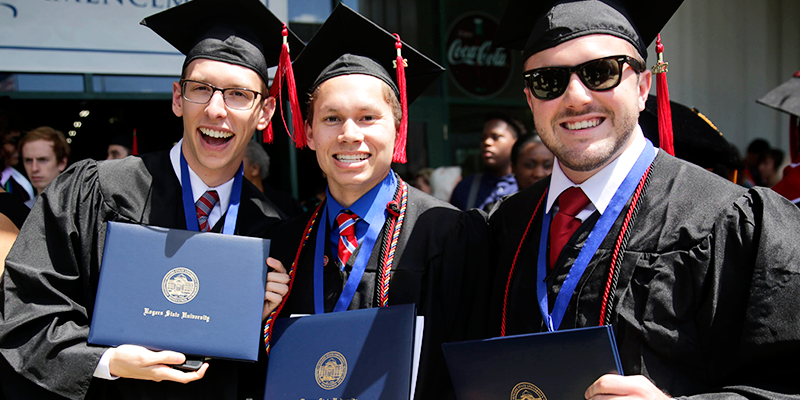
530 25
695 139
239 32
348 32
785 97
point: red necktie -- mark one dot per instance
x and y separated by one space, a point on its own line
571 202
203 206
347 235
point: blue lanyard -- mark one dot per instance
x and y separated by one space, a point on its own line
364 253
596 236
189 211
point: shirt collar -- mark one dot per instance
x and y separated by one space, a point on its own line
600 187
509 178
198 186
371 206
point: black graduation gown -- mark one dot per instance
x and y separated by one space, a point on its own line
433 256
52 272
708 298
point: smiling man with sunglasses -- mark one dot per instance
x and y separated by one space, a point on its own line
699 278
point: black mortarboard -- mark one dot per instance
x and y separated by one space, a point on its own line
348 43
533 26
697 140
785 97
240 32
125 141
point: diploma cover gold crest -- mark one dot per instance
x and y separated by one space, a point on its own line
331 370
180 285
527 391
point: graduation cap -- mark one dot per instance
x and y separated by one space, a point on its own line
348 43
786 98
124 140
239 32
533 26
697 140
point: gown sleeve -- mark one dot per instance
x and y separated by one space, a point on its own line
50 284
750 315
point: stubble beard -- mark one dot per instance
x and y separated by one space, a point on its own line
602 152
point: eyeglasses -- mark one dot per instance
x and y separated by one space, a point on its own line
235 98
599 75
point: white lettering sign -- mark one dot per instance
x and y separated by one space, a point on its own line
475 55
85 36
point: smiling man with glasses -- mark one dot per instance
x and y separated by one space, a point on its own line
52 273
699 278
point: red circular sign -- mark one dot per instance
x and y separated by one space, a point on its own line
475 67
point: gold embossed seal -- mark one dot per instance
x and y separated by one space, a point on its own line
527 391
180 285
331 370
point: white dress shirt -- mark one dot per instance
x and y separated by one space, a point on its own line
600 187
199 187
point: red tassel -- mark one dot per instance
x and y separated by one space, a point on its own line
268 133
285 71
294 103
135 147
400 143
662 93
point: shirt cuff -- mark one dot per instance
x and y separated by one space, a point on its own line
103 371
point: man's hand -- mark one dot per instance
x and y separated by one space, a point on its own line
277 287
136 362
628 387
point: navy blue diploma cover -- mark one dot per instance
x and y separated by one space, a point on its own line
171 289
361 354
557 365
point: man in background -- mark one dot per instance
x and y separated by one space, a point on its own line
500 132
45 152
756 151
120 147
256 170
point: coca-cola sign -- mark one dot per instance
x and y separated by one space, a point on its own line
475 67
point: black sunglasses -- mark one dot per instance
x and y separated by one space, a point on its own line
598 75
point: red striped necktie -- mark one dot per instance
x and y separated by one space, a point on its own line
570 202
346 222
203 206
